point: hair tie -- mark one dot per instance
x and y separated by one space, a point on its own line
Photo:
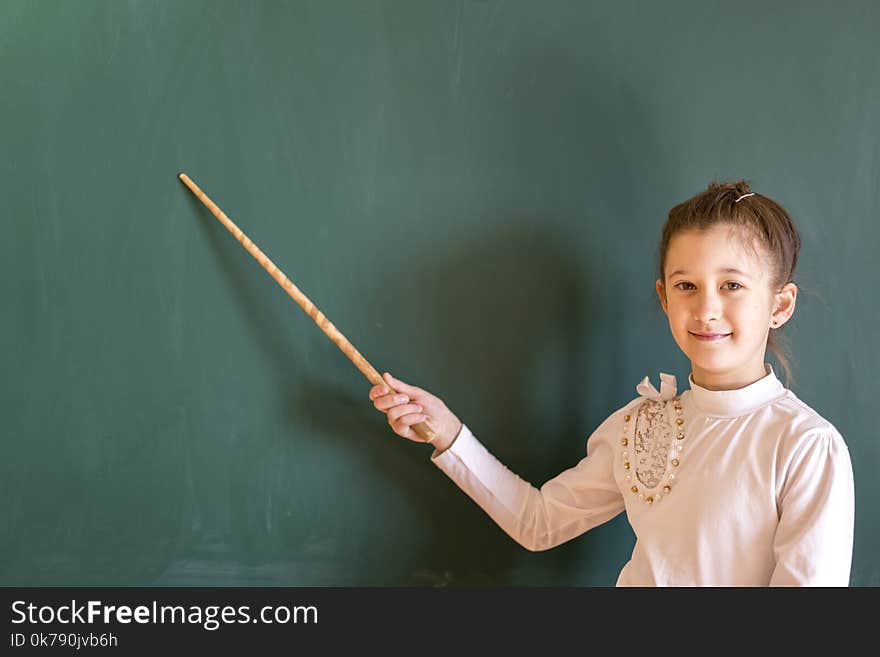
743 196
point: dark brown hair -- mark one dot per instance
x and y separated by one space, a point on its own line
761 218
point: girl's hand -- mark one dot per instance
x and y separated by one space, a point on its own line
411 405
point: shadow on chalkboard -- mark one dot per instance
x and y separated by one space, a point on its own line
487 309
493 308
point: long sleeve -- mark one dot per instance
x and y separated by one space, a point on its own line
814 538
567 505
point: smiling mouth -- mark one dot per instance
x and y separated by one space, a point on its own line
712 337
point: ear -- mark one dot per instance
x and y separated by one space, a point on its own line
661 292
783 305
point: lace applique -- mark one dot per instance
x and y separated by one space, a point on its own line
651 446
653 435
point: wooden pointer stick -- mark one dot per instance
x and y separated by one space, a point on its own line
422 429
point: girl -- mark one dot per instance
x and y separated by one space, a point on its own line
735 481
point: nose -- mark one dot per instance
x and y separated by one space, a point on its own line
706 306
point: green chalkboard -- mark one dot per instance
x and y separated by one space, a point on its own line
471 192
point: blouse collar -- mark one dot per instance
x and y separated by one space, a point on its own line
732 403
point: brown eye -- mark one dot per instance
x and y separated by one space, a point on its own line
738 286
678 285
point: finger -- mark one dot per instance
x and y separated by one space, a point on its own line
390 401
404 424
378 391
399 411
400 386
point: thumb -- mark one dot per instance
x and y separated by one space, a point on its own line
399 385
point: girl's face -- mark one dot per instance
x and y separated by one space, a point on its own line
717 296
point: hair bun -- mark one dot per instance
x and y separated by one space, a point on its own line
729 189
742 187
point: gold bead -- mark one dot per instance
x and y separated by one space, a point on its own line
675 462
667 489
649 499
679 421
680 436
626 465
635 489
624 442
626 418
676 399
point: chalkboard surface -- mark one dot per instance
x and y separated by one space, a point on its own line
472 193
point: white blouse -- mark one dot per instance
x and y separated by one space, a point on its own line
747 487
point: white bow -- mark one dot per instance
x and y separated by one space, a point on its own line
668 388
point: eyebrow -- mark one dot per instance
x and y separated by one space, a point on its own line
726 270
